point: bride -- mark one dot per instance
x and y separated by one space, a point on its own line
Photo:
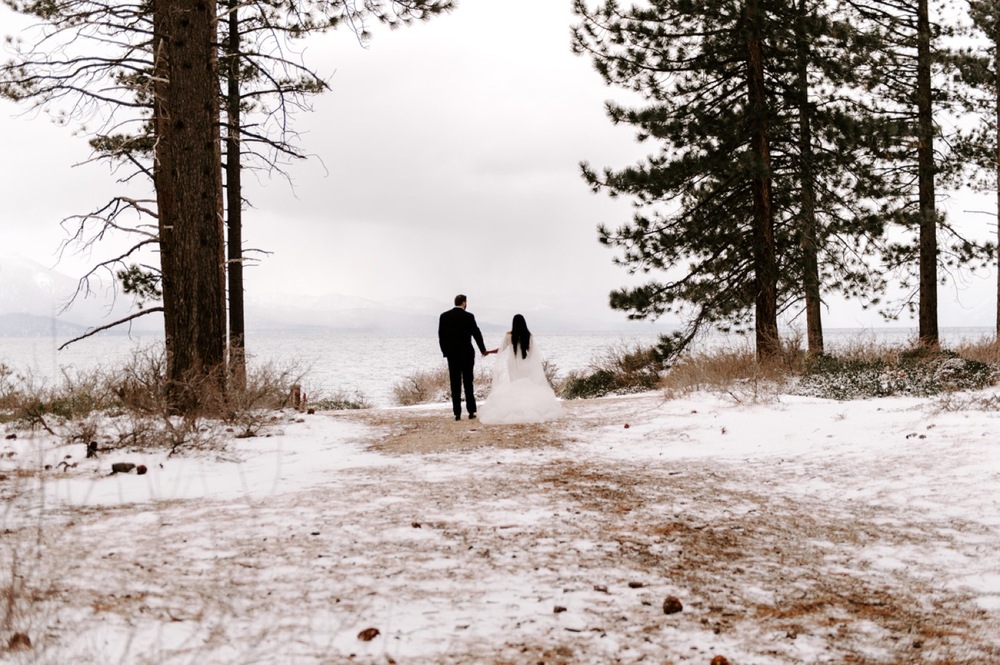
520 393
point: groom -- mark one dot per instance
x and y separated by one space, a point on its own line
456 330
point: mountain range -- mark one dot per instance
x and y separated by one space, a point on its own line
34 298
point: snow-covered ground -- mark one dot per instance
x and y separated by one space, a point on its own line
785 529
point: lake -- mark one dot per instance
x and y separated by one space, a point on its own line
372 364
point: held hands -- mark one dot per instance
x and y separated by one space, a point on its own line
486 353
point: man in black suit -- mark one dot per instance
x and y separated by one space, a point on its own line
456 330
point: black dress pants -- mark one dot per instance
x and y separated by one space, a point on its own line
460 371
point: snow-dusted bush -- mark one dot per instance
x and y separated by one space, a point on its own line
916 374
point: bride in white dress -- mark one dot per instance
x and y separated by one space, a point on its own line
520 392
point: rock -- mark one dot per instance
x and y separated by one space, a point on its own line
122 467
19 641
368 634
672 605
11 437
720 660
635 585
141 469
558 609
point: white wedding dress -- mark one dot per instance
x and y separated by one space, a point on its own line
520 391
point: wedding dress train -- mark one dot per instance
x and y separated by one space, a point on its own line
520 392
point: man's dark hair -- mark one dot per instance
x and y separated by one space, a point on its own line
459 299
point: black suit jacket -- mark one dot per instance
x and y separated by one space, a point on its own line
456 330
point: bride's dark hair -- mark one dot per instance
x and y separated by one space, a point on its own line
520 336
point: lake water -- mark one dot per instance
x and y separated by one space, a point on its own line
372 364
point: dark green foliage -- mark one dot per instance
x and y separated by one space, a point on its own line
919 373
697 227
621 371
141 283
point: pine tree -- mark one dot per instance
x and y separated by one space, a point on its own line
911 77
747 103
980 147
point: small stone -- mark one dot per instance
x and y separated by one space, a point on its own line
720 660
141 469
635 585
368 634
122 467
558 609
627 425
601 588
10 437
19 641
415 525
672 605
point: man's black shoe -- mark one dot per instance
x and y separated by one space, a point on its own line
472 416
458 417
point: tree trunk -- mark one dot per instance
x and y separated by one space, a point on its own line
996 98
928 315
188 184
765 271
234 204
808 241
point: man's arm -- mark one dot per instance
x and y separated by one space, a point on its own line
441 334
478 335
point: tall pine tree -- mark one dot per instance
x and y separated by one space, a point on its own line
759 195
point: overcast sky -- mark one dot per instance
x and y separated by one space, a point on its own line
446 160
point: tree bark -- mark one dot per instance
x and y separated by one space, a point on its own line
234 204
809 243
765 270
996 98
188 181
928 314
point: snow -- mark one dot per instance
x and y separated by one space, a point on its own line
791 529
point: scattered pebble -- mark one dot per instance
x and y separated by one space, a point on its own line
672 605
368 634
19 641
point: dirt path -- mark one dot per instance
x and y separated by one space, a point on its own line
517 545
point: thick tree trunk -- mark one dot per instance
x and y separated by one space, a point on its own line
234 204
928 314
996 97
188 185
765 270
808 241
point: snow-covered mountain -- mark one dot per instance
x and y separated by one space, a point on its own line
33 297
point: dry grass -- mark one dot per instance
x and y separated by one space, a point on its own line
985 350
735 371
127 406
432 386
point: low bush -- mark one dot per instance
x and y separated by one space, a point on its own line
340 401
127 407
431 386
917 372
621 369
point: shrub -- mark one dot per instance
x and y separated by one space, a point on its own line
127 406
620 369
431 386
340 401
915 372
